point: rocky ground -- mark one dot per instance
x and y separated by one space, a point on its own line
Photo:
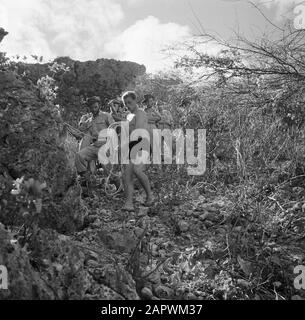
193 249
196 242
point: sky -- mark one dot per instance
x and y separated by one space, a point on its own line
132 30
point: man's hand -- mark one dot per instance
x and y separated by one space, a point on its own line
85 118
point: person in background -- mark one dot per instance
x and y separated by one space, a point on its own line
167 120
138 121
91 124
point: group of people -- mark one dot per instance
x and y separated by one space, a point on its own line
148 117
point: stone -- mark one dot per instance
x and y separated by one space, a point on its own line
97 223
91 218
243 283
196 213
146 293
210 208
297 206
143 211
154 250
119 241
138 231
191 296
204 216
117 278
164 292
183 226
208 223
103 212
92 263
93 255
162 253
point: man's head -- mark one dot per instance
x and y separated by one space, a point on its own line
130 100
93 104
149 100
160 106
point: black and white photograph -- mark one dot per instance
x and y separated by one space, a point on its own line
152 150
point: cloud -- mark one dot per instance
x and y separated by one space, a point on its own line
282 8
78 28
145 40
85 30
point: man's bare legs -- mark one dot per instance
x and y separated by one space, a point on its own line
144 181
137 170
128 187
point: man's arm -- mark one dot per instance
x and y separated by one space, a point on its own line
110 119
141 120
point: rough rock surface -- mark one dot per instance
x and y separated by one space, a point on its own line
106 78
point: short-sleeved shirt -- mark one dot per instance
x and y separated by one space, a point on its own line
94 125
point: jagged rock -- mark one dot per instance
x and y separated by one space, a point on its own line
3 33
30 145
211 270
138 231
243 283
183 226
92 263
93 255
209 207
107 293
191 296
118 279
204 216
97 223
120 241
143 211
23 281
106 78
297 206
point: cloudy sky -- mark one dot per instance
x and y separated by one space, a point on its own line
134 30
